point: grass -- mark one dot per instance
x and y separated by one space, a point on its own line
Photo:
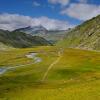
75 77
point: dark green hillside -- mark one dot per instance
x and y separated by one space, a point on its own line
21 40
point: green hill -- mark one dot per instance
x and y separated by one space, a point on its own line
20 39
85 36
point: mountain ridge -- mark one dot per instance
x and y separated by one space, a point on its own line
50 35
84 36
32 29
21 40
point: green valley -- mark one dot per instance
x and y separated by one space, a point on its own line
75 76
33 68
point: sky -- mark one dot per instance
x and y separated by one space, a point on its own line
52 14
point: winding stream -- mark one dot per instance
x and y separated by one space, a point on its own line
2 70
33 56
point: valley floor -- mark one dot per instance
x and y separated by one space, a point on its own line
50 73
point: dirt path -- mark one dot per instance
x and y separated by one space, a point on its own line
51 65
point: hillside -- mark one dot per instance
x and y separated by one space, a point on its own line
50 35
33 30
53 35
85 36
20 39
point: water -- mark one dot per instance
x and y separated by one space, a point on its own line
3 70
37 60
31 56
34 56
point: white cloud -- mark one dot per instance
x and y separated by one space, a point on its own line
82 11
14 21
36 4
62 2
53 23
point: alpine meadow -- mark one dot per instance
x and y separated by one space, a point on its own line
50 50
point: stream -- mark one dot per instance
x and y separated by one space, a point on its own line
33 56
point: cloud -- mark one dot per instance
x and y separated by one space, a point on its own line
53 23
82 11
14 21
36 4
62 2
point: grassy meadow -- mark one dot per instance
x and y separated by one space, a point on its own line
75 77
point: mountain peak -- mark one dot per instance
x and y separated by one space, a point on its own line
33 29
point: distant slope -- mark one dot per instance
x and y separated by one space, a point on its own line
53 35
33 30
85 36
50 35
21 40
4 47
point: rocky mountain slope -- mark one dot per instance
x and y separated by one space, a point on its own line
20 39
50 35
85 36
33 30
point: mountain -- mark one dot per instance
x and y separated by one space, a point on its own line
33 30
85 36
50 35
20 39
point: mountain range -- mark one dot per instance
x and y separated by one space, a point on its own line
20 39
51 35
33 30
84 36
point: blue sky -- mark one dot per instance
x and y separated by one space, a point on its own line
67 13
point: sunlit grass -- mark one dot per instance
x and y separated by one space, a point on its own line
75 77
